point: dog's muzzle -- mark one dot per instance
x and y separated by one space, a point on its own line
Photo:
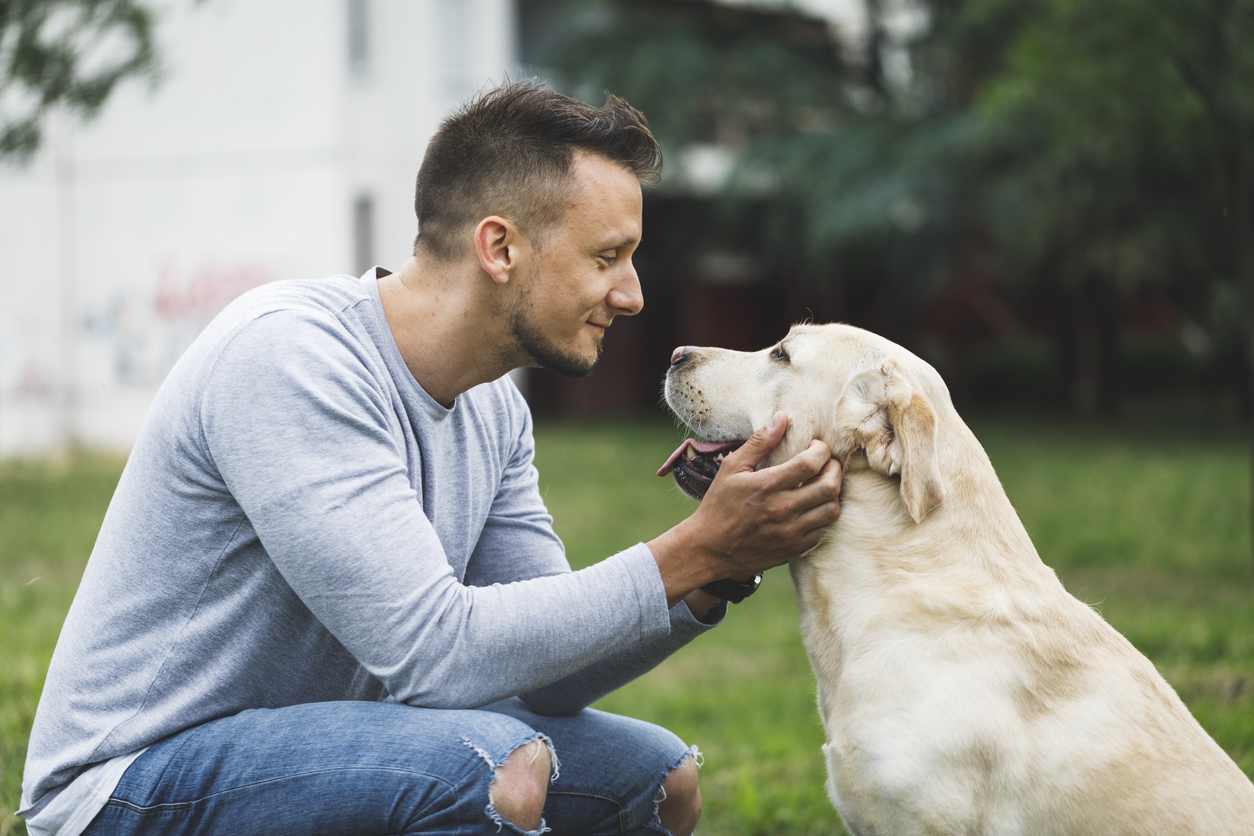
696 463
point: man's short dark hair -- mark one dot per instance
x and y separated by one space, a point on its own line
510 152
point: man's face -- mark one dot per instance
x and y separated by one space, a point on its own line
581 276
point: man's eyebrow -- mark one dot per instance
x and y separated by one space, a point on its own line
630 240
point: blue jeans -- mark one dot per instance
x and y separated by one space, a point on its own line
325 769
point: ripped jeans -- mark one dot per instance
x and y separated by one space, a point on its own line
365 768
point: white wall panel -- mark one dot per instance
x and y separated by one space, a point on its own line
125 236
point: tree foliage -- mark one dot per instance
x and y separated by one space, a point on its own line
850 162
1068 142
1122 124
69 54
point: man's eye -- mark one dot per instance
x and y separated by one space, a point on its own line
608 259
779 354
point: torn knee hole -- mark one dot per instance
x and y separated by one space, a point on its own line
520 785
679 796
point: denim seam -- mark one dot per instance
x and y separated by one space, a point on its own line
169 763
143 808
609 799
655 822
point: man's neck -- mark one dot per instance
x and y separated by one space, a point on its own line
451 329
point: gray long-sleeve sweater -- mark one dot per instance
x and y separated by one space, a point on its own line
299 521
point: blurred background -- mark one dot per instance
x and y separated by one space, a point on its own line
1052 201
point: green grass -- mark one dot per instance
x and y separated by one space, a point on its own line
49 515
1150 528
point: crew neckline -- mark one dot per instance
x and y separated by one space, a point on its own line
434 409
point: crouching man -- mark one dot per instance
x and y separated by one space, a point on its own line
327 597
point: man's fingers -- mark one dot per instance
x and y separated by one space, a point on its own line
802 467
826 484
819 516
817 505
759 444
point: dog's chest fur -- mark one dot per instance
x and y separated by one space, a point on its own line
956 683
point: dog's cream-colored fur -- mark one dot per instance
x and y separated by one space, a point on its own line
962 689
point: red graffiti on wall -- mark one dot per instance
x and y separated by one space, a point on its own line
205 290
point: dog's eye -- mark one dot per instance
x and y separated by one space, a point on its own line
779 354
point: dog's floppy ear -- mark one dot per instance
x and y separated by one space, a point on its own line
894 423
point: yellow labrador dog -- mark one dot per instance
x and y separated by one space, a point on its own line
962 689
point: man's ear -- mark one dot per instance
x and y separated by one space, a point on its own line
497 244
894 423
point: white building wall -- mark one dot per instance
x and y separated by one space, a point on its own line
125 236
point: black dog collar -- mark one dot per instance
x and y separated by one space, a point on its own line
733 590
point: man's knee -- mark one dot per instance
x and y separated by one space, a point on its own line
522 785
680 809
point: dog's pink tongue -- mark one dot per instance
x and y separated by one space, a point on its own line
703 447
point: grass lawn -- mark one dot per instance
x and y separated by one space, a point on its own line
1151 529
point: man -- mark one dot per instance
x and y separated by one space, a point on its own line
327 597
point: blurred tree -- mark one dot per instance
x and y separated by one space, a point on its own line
857 156
1127 128
840 167
1123 152
66 53
1083 149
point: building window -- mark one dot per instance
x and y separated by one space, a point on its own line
358 35
363 233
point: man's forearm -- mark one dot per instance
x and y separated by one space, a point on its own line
751 520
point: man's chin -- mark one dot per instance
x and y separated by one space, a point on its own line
571 366
565 363
546 354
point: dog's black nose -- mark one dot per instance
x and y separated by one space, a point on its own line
677 356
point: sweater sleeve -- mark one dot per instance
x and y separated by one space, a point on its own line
518 541
584 687
298 426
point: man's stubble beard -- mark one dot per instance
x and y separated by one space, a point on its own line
542 351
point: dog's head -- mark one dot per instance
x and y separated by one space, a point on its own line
871 401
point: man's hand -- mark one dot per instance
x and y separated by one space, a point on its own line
751 520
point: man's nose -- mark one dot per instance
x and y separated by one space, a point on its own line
627 298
